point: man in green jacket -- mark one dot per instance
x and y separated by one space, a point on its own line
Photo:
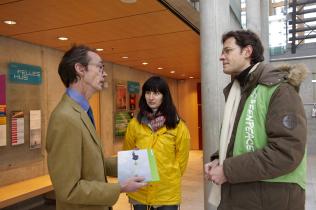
261 163
75 158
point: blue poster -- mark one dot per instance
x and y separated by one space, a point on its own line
24 73
133 87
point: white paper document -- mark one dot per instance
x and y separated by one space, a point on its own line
137 163
35 129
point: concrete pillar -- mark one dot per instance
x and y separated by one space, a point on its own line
264 4
257 19
214 21
253 16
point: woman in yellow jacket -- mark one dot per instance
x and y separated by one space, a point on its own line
159 127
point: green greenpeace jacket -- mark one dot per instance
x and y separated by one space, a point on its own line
286 130
251 134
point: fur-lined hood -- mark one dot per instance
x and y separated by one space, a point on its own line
269 75
296 73
293 74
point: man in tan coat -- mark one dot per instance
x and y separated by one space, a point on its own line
76 163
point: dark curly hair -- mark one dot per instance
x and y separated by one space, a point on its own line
244 38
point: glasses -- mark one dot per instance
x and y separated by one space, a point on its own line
227 51
100 67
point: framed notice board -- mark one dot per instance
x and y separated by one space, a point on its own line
22 94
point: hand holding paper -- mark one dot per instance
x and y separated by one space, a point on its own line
132 184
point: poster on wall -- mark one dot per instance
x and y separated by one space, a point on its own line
24 73
3 126
121 121
133 91
35 129
17 128
133 87
132 101
3 117
121 96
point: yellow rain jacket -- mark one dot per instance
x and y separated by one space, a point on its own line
171 149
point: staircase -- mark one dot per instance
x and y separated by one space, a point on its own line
300 25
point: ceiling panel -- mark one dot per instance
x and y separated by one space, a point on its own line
144 31
155 41
38 15
116 29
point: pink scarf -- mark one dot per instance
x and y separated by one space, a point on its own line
155 121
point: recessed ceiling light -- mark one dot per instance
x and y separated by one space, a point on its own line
99 49
159 68
62 38
182 75
9 22
144 63
124 57
314 80
129 1
172 72
191 77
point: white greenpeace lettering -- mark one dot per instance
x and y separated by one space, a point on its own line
249 123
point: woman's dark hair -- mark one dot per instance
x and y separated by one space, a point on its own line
66 68
244 38
167 108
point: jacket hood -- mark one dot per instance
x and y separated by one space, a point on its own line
293 74
296 74
269 75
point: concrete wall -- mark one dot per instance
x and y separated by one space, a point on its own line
235 6
15 51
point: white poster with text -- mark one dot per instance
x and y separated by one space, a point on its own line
35 129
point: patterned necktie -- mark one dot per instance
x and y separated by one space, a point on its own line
90 114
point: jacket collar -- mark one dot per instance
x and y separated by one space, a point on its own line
244 76
84 117
269 75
